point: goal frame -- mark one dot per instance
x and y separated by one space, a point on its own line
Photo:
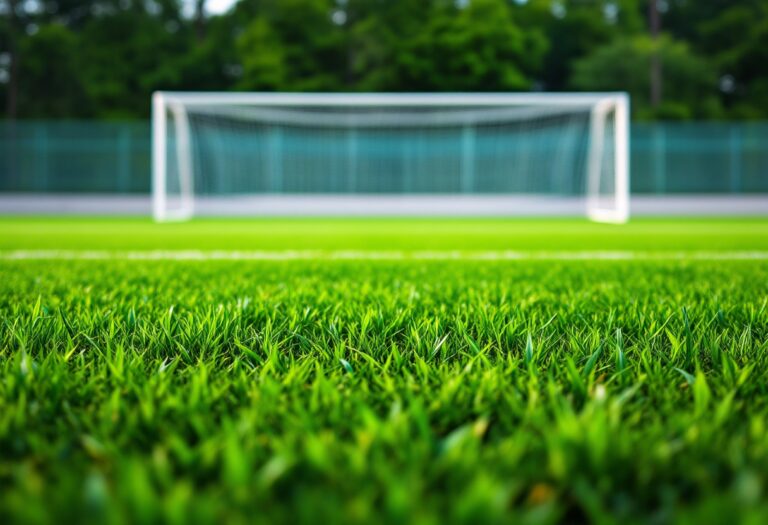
599 104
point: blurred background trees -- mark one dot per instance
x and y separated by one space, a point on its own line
103 58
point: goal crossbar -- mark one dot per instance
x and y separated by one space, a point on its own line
386 99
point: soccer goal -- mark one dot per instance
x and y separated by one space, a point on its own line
390 154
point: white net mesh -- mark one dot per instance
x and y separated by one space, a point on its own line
226 152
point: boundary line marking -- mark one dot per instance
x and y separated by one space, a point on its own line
341 255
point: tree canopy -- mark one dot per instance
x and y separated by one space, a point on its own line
103 58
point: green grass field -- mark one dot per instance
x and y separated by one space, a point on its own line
657 235
355 389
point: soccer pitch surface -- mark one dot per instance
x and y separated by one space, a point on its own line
384 371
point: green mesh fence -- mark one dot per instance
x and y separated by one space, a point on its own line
114 157
700 157
65 156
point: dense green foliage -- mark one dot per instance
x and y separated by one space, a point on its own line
384 391
688 79
103 58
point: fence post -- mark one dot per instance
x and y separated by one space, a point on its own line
659 145
123 159
42 153
735 153
467 159
275 159
351 160
406 184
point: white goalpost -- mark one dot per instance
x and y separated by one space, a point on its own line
390 154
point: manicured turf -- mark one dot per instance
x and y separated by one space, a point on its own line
385 234
334 391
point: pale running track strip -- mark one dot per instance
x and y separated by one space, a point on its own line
298 255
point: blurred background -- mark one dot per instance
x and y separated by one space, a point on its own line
76 76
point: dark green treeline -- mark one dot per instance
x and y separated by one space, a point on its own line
679 59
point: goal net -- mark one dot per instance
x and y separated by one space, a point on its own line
383 154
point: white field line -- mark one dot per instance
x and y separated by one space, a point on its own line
291 255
